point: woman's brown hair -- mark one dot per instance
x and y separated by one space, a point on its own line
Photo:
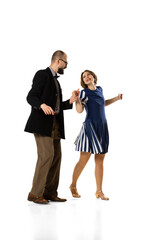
82 82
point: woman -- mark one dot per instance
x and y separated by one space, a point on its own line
93 137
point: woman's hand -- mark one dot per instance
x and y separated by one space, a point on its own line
47 109
120 96
76 92
75 96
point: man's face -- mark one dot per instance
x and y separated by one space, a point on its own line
62 64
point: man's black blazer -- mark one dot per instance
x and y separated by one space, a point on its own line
44 91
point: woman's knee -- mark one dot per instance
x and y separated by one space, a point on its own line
84 157
99 158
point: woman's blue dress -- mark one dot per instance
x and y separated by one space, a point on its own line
94 136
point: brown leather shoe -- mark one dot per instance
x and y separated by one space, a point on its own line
37 199
54 198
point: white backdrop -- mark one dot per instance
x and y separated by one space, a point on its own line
121 42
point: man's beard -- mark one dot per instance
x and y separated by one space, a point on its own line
60 71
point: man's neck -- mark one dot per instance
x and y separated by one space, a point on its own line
54 68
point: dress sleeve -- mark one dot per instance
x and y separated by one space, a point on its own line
101 89
83 98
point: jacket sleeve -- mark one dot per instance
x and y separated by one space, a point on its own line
66 105
34 95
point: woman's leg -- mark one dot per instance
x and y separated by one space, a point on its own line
99 158
84 157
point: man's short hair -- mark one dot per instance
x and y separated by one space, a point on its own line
57 55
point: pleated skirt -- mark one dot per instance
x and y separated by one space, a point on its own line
93 137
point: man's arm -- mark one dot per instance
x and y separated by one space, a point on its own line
33 97
69 103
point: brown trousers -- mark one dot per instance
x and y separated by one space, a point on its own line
47 171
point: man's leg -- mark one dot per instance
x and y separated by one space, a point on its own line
54 172
45 151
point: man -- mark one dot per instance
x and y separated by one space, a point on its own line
46 121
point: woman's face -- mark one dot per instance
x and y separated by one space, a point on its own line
88 78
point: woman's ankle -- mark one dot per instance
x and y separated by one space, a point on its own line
99 191
73 185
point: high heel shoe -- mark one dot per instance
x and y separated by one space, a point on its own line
100 194
74 192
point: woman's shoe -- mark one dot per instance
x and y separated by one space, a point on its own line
74 192
100 194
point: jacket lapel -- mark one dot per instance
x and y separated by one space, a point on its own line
52 81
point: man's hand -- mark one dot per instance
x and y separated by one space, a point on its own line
47 109
75 96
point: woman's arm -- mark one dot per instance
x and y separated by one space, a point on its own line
79 106
112 100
